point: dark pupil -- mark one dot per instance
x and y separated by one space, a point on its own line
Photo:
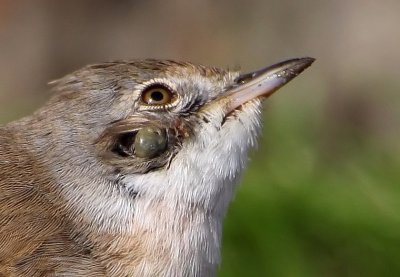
157 96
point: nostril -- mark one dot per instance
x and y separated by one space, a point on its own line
244 78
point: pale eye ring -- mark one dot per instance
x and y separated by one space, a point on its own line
157 95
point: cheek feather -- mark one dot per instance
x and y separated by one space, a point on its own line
210 162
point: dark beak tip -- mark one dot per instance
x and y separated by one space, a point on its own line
307 61
296 66
302 63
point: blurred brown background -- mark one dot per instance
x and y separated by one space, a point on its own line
356 43
332 135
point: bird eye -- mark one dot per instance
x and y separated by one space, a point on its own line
150 141
157 95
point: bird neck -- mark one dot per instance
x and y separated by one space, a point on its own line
178 238
173 227
164 239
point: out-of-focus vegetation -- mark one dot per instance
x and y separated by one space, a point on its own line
305 210
321 196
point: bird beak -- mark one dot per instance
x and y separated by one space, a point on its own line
264 82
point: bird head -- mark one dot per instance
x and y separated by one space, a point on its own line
166 129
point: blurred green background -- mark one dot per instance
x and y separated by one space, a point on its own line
321 196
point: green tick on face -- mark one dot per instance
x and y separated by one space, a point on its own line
150 141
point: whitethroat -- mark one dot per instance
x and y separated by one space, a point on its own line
129 168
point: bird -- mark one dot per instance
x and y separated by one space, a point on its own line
129 168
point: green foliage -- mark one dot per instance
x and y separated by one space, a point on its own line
305 209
